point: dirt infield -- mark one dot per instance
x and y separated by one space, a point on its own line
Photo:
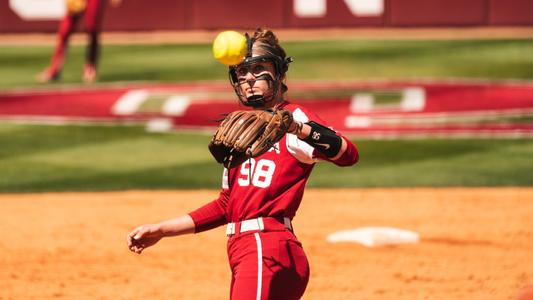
475 244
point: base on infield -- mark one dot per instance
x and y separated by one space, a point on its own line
375 236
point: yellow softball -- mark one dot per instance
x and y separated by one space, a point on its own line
75 7
229 47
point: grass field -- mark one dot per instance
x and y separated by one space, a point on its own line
400 59
77 158
48 158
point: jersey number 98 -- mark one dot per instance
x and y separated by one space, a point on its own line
261 173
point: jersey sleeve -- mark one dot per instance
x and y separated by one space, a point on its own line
301 150
212 214
308 154
348 158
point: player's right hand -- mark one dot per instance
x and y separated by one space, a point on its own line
143 237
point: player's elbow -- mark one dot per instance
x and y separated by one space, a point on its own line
347 161
349 157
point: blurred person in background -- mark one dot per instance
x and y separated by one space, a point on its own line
92 11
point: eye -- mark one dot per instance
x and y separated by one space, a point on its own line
242 71
258 69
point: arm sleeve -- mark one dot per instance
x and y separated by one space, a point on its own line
301 150
349 158
307 154
211 215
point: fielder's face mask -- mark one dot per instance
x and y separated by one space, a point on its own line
254 64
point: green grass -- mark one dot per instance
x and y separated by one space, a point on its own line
435 163
50 158
334 60
76 158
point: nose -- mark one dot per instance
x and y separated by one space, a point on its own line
250 79
249 76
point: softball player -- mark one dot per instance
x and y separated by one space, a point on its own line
260 197
92 11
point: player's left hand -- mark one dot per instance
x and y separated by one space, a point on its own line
143 237
243 134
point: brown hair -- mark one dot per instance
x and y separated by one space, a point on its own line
266 43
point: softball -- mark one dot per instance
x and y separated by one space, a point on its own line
229 47
75 7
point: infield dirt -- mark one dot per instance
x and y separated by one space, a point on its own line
475 244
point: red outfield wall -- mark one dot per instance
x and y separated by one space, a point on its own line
137 15
374 109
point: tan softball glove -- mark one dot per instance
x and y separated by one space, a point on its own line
244 134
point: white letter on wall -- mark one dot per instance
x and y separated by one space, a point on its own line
310 8
318 8
34 10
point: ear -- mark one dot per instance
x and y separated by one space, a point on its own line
283 84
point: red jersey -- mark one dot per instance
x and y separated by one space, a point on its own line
270 185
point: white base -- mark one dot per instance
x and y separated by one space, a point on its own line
375 236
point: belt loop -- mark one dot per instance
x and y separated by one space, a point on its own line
287 223
261 223
230 229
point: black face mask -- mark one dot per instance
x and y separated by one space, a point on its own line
261 100
280 68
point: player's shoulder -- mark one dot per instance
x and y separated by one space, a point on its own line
300 112
291 106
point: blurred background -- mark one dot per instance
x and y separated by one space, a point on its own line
118 96
109 95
